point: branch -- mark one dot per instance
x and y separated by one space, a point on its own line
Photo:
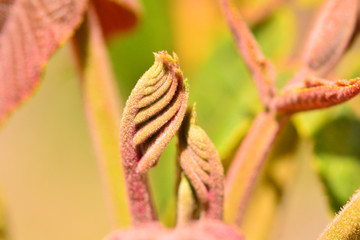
261 69
103 112
248 162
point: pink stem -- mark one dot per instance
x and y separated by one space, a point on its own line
261 69
138 192
247 164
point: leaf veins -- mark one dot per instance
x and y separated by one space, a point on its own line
30 32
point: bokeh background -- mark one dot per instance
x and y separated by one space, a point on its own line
49 182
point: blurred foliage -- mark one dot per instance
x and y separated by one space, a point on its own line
338 157
275 179
223 80
132 54
309 4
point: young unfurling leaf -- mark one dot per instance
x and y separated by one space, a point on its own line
330 35
151 117
316 94
201 164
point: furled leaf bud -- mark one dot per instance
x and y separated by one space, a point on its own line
153 112
152 116
201 164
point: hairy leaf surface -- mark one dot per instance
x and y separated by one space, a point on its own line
151 117
154 110
201 164
316 94
346 225
30 32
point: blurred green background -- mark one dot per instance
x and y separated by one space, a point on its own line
48 175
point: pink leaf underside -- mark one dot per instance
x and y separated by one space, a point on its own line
315 94
202 165
262 70
331 34
153 113
117 15
199 230
30 32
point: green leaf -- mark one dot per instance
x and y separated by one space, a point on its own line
338 158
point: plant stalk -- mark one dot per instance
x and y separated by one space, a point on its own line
103 112
248 162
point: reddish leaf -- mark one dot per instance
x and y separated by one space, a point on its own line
117 15
30 32
330 35
316 94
